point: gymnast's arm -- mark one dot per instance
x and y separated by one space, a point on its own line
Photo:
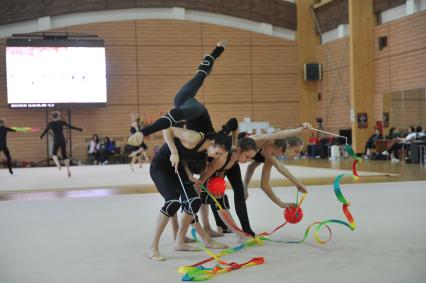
213 167
45 131
282 134
266 187
72 127
249 174
285 172
188 138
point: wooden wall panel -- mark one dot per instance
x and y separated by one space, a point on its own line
272 60
3 91
114 34
334 54
90 5
213 33
334 106
271 88
23 9
221 112
264 40
212 6
285 114
54 7
276 12
173 33
25 146
168 60
122 90
382 5
155 90
233 61
119 4
379 31
401 65
238 8
332 14
228 89
149 61
408 70
6 12
408 34
121 60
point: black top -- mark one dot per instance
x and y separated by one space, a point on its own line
259 157
3 135
57 129
201 124
196 160
133 130
185 152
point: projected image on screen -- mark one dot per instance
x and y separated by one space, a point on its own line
58 75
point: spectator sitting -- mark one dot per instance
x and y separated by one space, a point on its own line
371 141
108 149
405 142
392 134
94 147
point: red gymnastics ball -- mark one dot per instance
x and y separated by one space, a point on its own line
293 215
216 186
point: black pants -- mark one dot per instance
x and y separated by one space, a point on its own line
60 144
8 157
167 181
369 145
234 177
187 108
395 147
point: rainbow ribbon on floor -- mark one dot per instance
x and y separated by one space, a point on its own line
25 129
197 272
345 207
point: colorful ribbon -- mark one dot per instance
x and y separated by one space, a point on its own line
26 129
197 272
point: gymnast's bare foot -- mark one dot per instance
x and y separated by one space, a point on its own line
185 247
155 255
213 233
222 43
189 240
212 244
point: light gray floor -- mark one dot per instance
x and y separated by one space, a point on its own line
103 239
50 178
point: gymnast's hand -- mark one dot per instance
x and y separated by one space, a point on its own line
302 189
287 205
306 126
197 183
174 159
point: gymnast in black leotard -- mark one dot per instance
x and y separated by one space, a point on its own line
59 142
228 165
271 146
183 148
187 109
139 152
3 143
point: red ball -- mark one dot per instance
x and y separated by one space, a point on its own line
216 186
293 216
